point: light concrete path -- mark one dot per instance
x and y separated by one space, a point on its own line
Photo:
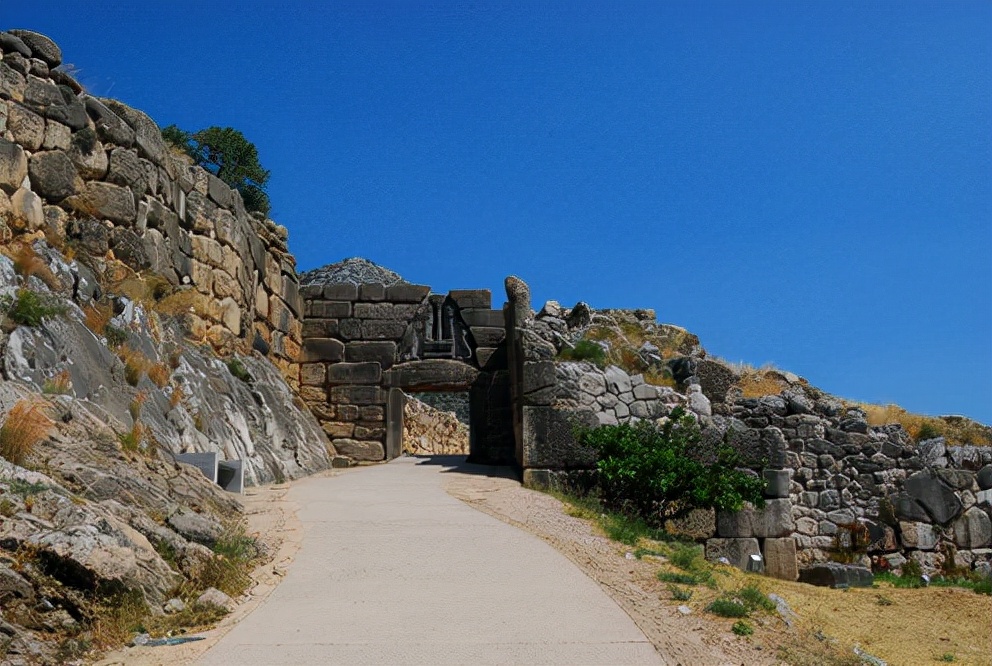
393 570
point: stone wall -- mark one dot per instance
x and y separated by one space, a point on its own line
840 486
95 175
430 431
363 344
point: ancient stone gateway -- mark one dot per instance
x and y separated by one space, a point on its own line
365 346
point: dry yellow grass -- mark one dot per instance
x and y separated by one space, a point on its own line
60 384
761 382
97 316
27 263
954 429
135 364
25 426
658 378
160 373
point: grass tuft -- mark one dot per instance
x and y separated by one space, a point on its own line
725 607
60 384
25 426
29 308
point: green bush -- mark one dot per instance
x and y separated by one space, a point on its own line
727 608
755 599
742 628
681 579
680 593
584 350
29 308
649 471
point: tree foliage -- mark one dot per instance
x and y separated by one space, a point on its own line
226 153
650 471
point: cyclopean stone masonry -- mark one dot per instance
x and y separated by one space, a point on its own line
95 174
365 344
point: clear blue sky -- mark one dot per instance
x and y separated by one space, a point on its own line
807 184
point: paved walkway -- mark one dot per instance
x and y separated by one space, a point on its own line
393 570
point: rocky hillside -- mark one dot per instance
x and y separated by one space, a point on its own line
143 314
431 431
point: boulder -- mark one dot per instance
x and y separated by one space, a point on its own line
737 551
13 166
27 209
698 402
125 169
13 44
973 529
984 478
147 135
939 501
26 126
834 574
108 124
921 536
42 47
53 175
106 201
196 527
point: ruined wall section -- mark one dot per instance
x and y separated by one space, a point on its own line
95 175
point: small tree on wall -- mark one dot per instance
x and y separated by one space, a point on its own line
225 152
650 471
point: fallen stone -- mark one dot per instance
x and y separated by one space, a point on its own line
836 575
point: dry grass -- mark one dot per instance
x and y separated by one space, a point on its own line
756 383
954 429
657 377
27 263
176 396
97 316
132 439
160 373
136 364
116 621
136 404
25 426
60 384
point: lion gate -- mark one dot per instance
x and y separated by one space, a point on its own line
366 346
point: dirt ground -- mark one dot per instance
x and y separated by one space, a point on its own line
907 627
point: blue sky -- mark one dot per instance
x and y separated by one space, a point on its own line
807 184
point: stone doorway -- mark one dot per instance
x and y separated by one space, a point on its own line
436 423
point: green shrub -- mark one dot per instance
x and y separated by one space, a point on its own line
30 308
116 336
742 628
649 471
727 608
680 578
584 350
680 593
238 369
755 599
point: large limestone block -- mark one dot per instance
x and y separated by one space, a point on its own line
27 209
27 127
109 125
780 558
354 373
737 551
774 520
125 169
42 47
105 201
146 133
973 529
921 536
13 166
834 574
53 176
323 349
939 501
367 450
430 374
